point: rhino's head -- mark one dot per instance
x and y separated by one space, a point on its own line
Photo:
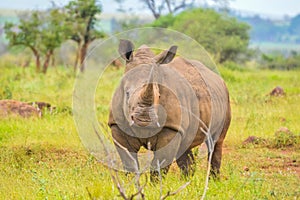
141 88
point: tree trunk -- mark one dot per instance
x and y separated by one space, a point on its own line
83 52
152 7
47 60
76 64
169 7
37 63
37 59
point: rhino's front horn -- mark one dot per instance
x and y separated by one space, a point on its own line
148 94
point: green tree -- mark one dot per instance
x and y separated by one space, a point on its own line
26 34
41 32
219 34
164 21
279 61
81 19
53 34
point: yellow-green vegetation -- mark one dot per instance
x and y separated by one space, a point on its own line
44 159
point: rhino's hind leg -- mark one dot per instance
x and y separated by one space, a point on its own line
216 160
217 153
186 163
127 151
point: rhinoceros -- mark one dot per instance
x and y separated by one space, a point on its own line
169 105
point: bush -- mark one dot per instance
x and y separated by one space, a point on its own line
223 36
279 61
283 139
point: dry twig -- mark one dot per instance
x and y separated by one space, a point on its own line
175 192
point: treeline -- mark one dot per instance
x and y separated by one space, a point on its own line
281 62
266 30
44 31
225 37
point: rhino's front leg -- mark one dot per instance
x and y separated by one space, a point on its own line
165 151
127 148
186 163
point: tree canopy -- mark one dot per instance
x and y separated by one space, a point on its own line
81 18
223 36
41 32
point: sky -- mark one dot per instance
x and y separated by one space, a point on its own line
274 8
269 7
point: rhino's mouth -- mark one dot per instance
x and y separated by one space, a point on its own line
144 117
141 122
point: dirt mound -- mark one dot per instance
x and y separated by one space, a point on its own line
254 140
277 91
18 108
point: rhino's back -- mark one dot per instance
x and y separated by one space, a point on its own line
210 90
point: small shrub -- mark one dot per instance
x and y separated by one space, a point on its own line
6 93
285 139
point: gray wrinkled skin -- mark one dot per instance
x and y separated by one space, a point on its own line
167 104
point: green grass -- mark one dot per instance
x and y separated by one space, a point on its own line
44 158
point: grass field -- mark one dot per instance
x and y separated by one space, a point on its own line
44 158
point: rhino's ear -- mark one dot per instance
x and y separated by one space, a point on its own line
166 56
126 50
